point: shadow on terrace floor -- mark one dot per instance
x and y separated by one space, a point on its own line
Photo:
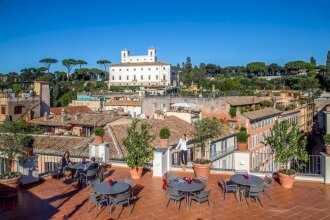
52 199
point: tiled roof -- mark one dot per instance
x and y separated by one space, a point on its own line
55 144
123 103
77 146
176 126
242 100
139 64
85 119
263 113
70 109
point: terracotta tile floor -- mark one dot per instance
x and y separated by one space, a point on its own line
60 199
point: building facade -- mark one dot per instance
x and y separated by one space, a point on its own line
32 104
140 70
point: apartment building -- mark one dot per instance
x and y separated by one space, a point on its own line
32 104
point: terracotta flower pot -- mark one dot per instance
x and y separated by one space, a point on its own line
242 146
327 149
286 180
9 187
202 170
98 139
163 143
136 172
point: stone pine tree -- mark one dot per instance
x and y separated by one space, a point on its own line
69 63
81 62
104 64
48 62
328 59
313 61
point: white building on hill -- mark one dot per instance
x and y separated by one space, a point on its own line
140 70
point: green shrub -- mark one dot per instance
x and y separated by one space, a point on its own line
164 133
267 104
242 136
99 131
140 152
232 112
326 139
202 161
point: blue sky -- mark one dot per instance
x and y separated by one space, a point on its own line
221 32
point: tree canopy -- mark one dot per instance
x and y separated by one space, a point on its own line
48 62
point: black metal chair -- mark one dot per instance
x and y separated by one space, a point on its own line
175 195
96 200
170 177
268 182
89 177
131 186
228 187
201 197
121 199
202 179
256 192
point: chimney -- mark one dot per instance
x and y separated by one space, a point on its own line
63 112
77 116
64 118
46 116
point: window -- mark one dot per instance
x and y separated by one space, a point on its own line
156 77
141 77
119 69
141 69
119 77
157 68
164 68
164 77
113 77
18 110
127 77
127 69
149 77
151 53
149 69
113 69
134 69
3 110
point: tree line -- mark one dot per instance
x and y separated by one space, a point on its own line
242 80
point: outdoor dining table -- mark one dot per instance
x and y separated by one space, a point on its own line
117 187
243 181
184 186
79 166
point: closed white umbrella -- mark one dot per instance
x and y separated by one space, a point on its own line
184 105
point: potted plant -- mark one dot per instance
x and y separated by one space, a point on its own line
242 139
164 135
326 139
140 152
288 146
99 133
205 130
233 112
15 145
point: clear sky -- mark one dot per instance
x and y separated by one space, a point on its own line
221 32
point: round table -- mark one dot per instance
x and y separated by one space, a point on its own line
183 186
104 188
79 166
251 181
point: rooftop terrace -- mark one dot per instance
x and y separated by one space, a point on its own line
61 199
